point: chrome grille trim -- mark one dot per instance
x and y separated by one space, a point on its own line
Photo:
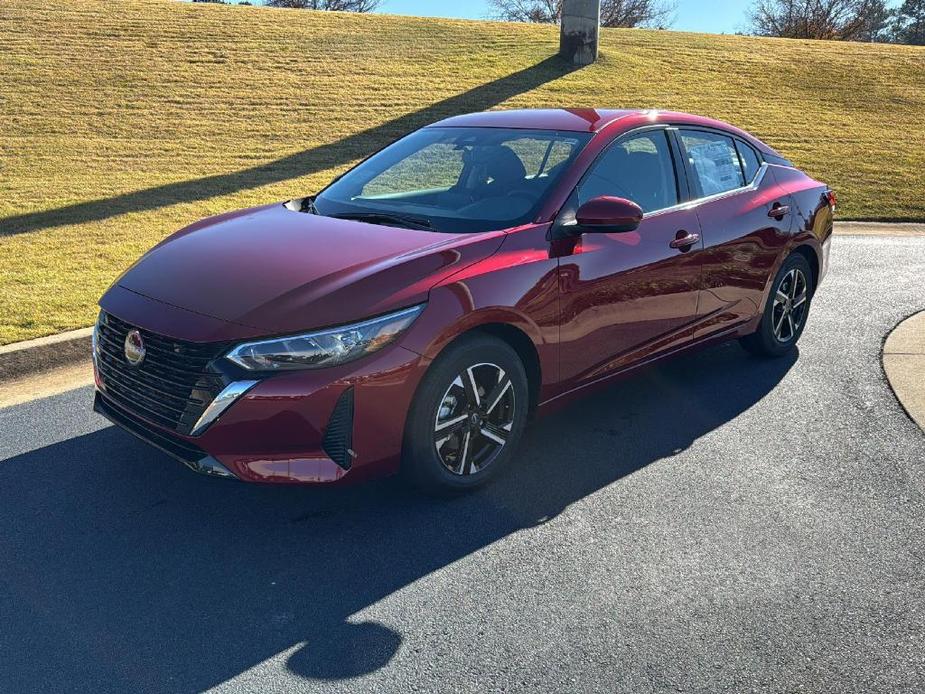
222 402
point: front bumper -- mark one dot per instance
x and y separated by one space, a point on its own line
193 457
326 426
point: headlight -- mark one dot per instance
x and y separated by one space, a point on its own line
325 347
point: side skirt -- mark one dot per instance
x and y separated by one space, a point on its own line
554 403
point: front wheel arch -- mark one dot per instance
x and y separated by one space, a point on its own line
512 329
521 343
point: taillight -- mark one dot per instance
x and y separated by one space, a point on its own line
832 198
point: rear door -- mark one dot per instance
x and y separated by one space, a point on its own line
736 201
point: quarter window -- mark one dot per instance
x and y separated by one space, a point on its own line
750 161
638 168
714 161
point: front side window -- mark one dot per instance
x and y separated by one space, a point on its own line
638 168
455 179
714 161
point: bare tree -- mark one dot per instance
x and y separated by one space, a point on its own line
537 11
910 23
333 5
614 13
631 13
878 20
846 20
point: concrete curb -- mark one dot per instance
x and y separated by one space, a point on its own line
44 353
879 229
904 365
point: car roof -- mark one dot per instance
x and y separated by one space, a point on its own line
585 120
589 120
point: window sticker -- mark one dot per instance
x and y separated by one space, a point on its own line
717 167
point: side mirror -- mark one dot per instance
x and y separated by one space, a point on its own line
607 214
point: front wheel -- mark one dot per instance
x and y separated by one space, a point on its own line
785 312
467 416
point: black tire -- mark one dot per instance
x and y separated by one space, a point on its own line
437 411
783 319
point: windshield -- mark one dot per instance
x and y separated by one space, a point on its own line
455 179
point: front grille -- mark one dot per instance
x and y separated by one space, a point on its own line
192 456
171 387
175 447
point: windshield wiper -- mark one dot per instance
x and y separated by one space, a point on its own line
388 218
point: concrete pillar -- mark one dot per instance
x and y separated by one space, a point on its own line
580 31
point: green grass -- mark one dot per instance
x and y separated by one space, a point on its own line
121 122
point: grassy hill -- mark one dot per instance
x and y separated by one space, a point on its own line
122 121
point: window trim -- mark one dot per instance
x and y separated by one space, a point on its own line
697 202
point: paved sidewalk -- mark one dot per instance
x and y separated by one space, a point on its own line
880 228
904 364
45 383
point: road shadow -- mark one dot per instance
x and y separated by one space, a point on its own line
309 161
124 572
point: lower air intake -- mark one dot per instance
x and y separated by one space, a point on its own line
338 437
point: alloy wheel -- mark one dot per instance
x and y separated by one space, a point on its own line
474 419
790 303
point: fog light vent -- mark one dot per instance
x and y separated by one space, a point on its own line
338 437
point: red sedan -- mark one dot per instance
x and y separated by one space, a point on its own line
413 314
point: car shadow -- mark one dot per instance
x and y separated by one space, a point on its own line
309 161
126 572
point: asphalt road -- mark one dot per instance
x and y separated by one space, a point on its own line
717 524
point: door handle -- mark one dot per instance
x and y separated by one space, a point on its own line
684 242
778 211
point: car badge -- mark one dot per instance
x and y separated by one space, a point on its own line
134 348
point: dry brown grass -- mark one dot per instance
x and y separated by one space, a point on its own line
124 121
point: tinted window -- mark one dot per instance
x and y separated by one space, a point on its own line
714 161
638 168
750 161
456 179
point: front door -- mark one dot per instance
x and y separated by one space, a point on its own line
627 296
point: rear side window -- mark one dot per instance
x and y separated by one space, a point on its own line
714 161
638 168
750 161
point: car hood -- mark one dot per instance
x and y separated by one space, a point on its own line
274 270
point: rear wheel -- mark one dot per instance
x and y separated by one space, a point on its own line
785 312
467 416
